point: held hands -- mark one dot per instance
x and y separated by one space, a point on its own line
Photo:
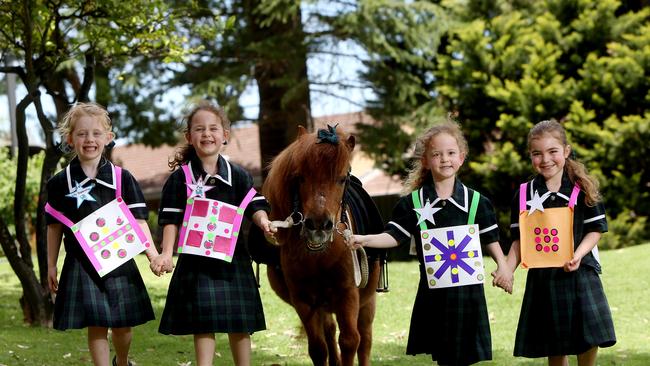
262 220
504 278
161 264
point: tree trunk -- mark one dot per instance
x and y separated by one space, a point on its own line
282 81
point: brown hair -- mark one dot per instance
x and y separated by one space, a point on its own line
576 170
187 152
418 173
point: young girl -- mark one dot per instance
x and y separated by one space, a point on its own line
451 324
119 299
564 310
208 295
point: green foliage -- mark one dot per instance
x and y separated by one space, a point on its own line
8 185
624 230
506 65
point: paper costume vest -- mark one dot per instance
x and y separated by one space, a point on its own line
545 234
210 228
110 236
452 255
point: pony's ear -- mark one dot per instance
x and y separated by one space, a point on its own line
350 142
301 130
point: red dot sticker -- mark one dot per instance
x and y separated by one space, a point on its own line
100 222
538 231
538 247
94 236
555 247
121 253
106 253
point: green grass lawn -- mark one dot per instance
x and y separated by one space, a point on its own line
626 279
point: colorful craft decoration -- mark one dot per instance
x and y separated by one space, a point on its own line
452 256
110 236
546 234
210 228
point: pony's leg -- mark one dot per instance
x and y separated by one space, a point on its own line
313 322
347 315
330 338
366 317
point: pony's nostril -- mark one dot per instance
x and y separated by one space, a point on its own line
328 225
309 224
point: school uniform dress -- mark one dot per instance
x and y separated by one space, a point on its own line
120 298
451 324
208 295
564 313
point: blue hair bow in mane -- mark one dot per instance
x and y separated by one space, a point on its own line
329 136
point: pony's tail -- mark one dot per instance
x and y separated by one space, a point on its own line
588 183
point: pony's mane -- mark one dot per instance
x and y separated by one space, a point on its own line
308 160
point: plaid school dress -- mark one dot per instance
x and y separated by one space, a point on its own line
564 313
120 298
208 295
451 324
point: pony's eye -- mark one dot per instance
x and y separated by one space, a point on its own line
342 180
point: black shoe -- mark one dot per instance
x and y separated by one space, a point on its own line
115 361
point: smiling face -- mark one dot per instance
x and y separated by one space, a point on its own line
443 157
88 137
206 133
548 155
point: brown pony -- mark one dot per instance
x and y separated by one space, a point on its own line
307 181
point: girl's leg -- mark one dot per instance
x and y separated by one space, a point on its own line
98 345
122 343
558 361
204 348
588 358
240 347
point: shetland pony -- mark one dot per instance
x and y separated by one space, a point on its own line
308 181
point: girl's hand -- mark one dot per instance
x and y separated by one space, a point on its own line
52 280
161 264
572 265
503 278
355 242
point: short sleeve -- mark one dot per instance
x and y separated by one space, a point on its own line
173 200
403 217
53 186
595 219
133 197
514 217
487 221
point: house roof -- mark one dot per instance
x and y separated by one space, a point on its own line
149 165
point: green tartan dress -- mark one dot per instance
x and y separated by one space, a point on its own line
450 324
208 295
564 313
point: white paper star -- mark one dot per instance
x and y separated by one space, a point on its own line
426 212
199 189
81 194
537 202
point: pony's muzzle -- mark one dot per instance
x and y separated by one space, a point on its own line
318 233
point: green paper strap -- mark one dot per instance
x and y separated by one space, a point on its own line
472 209
416 204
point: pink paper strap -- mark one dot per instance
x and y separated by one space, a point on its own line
574 195
118 181
188 178
58 215
522 196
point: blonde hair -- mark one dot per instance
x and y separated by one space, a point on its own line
187 152
418 173
69 121
576 170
